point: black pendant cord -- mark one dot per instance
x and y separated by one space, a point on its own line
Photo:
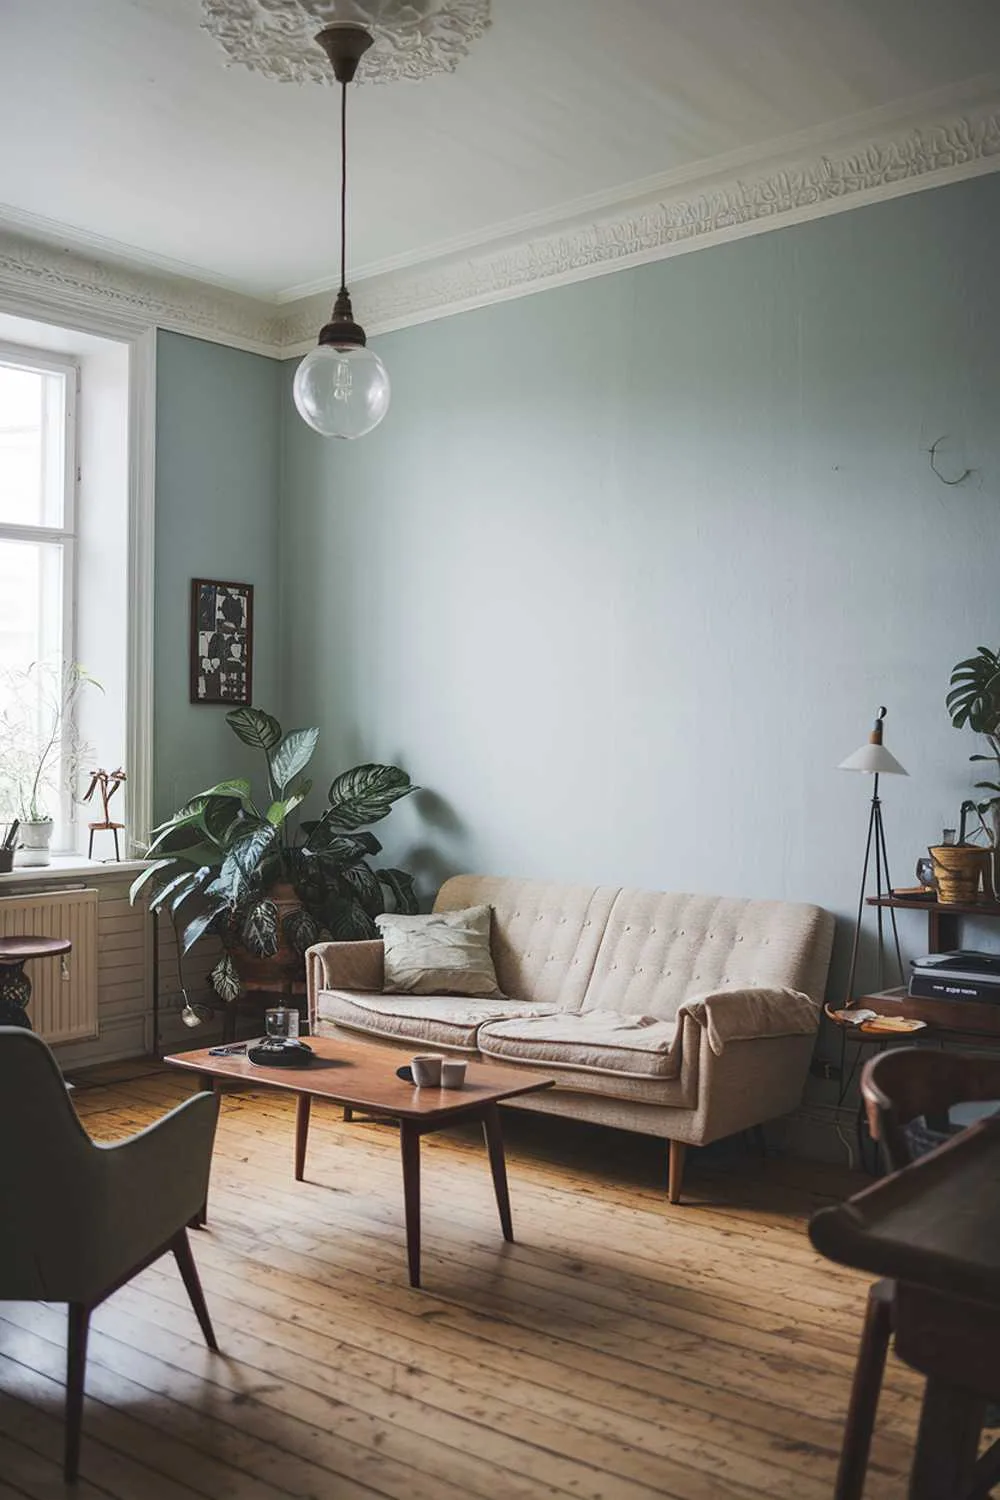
343 187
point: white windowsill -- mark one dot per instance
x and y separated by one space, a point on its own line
71 867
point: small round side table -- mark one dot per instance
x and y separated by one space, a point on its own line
15 986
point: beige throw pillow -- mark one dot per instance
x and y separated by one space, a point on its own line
447 953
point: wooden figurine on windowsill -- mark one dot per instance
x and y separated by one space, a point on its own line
108 783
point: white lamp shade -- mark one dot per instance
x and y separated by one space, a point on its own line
873 759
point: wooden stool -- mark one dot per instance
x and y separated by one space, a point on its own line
15 986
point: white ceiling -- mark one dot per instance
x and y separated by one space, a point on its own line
123 127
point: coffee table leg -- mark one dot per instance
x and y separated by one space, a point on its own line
498 1166
303 1103
409 1144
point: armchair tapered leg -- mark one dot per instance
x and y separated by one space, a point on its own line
189 1274
76 1367
675 1173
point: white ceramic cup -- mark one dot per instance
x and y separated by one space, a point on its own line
453 1074
427 1070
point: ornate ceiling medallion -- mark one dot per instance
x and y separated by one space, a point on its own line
412 38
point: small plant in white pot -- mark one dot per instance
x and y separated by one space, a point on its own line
40 749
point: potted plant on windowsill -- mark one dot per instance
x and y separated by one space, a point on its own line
40 749
268 886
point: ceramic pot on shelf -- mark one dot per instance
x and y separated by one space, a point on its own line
33 843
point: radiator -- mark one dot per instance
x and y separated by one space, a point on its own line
63 992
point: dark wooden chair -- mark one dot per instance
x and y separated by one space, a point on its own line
900 1088
80 1219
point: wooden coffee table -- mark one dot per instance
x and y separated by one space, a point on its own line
361 1076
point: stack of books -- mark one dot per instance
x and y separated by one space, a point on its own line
962 975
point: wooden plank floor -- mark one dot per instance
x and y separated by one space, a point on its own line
620 1350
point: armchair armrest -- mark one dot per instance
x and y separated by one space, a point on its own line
135 1196
344 966
738 1015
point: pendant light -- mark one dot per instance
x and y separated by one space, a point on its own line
341 388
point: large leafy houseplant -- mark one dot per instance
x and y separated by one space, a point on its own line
974 703
222 864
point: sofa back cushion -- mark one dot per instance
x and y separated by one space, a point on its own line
545 935
659 950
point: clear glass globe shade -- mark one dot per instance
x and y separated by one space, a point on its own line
342 392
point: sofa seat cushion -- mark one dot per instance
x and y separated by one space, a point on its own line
600 1041
451 1021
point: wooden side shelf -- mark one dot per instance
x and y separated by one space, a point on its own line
942 921
973 1018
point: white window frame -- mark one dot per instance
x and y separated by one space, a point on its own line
43 361
77 306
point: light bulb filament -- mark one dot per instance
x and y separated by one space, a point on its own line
342 381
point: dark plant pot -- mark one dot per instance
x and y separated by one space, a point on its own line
281 969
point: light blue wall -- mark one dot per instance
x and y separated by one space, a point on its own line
217 478
630 564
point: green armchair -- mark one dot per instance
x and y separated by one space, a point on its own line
80 1218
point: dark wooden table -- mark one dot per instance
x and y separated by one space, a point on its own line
935 1229
360 1075
15 985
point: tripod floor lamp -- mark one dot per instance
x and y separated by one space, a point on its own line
874 760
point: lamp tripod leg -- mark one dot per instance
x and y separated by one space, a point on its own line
888 891
861 907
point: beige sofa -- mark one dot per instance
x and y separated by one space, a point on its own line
686 1017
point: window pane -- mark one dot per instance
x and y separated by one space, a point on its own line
32 449
30 633
31 592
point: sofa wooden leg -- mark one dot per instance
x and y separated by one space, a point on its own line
675 1174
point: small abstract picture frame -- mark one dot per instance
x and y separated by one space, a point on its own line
221 642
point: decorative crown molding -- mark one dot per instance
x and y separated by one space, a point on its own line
411 38
787 191
64 281
806 178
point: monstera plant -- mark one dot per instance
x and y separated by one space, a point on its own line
974 702
268 885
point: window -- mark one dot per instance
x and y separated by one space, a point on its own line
38 474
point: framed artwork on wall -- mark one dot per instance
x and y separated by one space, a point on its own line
221 642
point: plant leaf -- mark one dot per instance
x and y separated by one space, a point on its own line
241 866
223 819
278 811
292 756
346 847
301 929
237 787
349 922
183 834
183 878
366 794
182 815
259 929
195 926
194 882
225 980
149 877
401 885
254 727
362 882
